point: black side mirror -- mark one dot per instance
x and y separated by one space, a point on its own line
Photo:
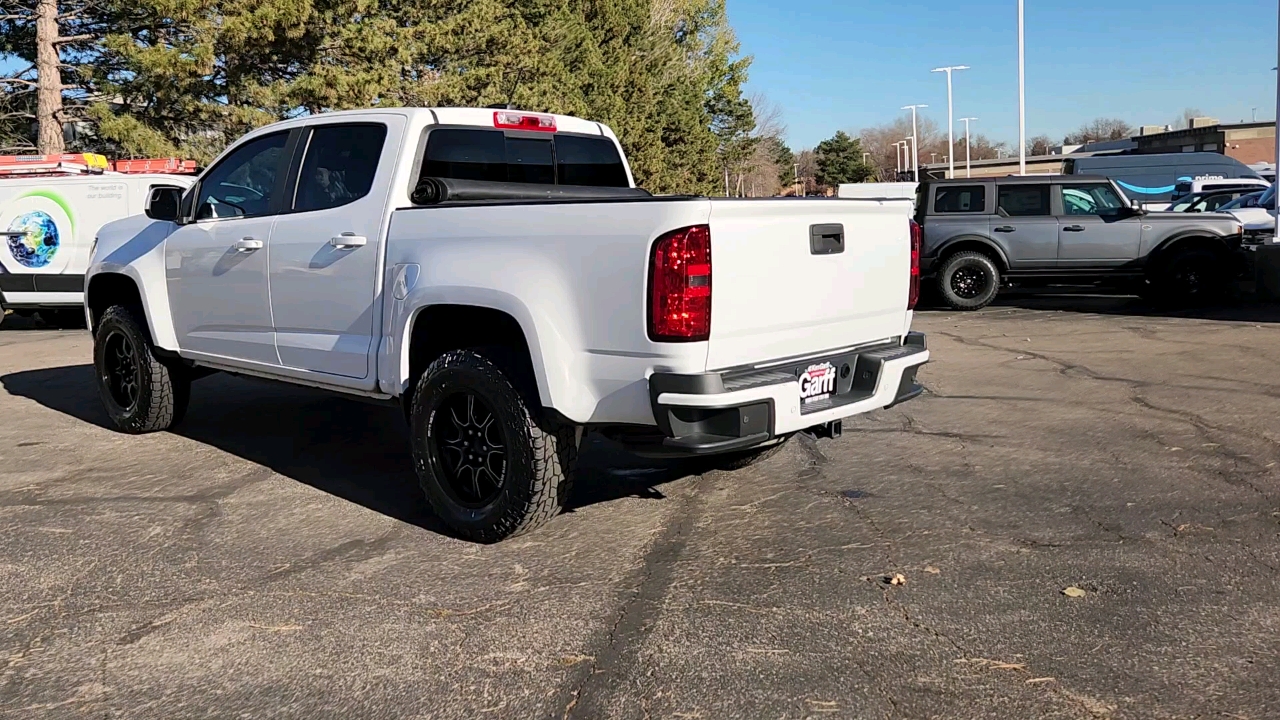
163 203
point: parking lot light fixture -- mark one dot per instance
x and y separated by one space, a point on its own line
966 120
951 136
915 140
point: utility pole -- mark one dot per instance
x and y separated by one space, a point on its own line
797 169
915 139
951 139
1022 96
966 120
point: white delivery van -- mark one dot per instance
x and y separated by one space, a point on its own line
49 216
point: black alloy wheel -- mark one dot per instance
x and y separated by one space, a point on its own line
470 448
969 282
120 370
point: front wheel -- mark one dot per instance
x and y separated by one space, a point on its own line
140 392
968 280
1191 277
489 467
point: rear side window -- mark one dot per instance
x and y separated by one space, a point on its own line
1024 200
960 199
339 166
493 156
589 161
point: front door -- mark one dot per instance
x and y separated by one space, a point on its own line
325 249
216 264
1024 226
1096 227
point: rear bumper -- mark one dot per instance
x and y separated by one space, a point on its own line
712 413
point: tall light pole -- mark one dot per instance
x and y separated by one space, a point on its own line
966 120
1022 97
897 156
951 139
915 139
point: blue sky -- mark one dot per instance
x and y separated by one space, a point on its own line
844 65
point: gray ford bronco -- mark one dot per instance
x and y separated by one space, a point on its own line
984 233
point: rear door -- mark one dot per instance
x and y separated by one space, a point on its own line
326 245
785 286
1095 227
1024 225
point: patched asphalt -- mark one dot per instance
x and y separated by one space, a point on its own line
272 556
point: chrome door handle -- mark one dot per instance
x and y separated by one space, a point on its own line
247 245
1073 228
348 240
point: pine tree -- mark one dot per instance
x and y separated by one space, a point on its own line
840 160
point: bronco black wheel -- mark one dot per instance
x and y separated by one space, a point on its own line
1191 277
968 280
140 392
489 466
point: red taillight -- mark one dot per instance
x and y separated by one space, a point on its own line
680 287
523 121
913 295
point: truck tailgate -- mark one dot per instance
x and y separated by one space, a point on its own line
798 277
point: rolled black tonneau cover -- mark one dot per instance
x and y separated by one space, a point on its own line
441 191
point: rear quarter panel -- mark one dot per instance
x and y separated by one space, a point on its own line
574 276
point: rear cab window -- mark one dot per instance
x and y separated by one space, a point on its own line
949 199
523 157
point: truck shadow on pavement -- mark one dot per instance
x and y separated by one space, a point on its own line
351 449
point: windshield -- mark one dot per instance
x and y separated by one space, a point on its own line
1244 201
1268 199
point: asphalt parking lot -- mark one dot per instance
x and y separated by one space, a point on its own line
272 558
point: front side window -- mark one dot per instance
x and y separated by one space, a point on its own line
960 199
1024 200
243 183
339 165
1092 199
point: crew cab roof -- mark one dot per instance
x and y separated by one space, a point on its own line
476 117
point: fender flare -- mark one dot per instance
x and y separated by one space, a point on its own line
1158 251
949 243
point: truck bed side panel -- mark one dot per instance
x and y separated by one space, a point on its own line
573 275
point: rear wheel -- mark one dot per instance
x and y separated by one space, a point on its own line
968 280
140 392
489 466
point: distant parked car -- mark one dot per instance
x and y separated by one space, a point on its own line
1259 212
1209 200
1246 200
982 233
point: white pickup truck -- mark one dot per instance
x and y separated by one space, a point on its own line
497 273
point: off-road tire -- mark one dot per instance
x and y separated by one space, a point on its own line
745 458
540 455
970 262
163 390
1191 277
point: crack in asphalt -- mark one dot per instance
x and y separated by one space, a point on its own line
589 694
